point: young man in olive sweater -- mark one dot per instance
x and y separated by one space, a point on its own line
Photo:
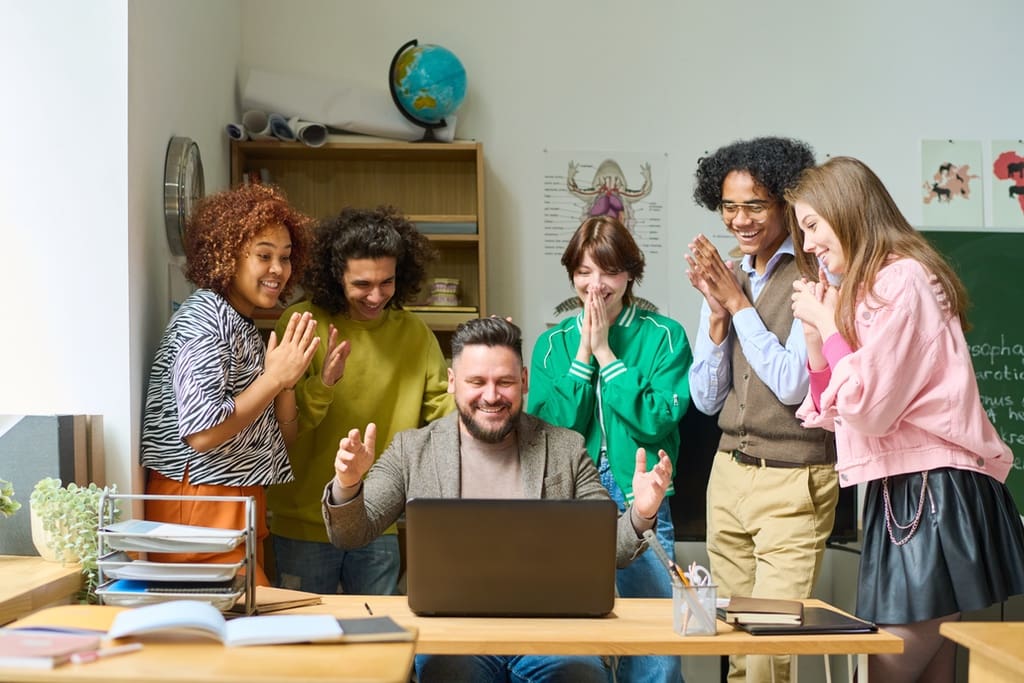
376 362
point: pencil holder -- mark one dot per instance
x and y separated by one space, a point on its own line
693 610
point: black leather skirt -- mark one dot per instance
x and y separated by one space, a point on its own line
966 553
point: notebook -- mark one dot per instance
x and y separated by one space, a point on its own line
469 557
816 620
749 610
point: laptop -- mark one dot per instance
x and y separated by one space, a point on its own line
536 558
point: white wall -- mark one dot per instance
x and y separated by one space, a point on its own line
63 212
866 78
181 81
92 93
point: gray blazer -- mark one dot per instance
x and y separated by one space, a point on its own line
424 463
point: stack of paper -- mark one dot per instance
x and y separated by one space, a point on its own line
138 534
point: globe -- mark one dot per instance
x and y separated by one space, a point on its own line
428 83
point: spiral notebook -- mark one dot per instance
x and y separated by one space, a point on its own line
468 557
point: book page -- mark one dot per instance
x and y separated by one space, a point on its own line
282 628
174 614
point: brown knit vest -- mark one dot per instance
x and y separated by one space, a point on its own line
753 420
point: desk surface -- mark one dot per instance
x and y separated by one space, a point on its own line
187 658
29 583
636 626
994 646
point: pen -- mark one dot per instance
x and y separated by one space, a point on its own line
93 655
673 575
368 610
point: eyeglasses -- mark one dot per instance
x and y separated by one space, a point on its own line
755 209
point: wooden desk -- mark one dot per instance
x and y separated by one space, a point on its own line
637 626
185 658
29 583
995 651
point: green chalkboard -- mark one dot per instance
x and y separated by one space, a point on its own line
991 265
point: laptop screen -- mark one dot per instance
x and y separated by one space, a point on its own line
510 557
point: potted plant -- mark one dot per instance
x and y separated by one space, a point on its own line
65 526
8 506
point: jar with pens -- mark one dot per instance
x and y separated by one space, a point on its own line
694 597
694 602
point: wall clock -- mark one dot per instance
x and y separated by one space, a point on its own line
183 187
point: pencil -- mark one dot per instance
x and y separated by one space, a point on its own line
93 655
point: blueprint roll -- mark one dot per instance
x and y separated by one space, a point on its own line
280 128
237 132
257 124
308 132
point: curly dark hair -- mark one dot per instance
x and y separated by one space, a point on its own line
366 234
774 163
223 224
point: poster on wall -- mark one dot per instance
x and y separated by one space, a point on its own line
632 187
950 183
1008 184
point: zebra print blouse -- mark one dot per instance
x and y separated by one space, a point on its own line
208 355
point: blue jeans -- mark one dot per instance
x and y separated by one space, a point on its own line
645 577
508 669
319 567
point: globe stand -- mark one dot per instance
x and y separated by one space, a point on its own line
428 127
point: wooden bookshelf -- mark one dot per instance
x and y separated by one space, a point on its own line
439 186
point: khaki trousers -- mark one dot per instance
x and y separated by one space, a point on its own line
767 528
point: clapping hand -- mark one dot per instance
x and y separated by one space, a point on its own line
288 358
355 456
711 275
337 354
814 304
599 324
649 487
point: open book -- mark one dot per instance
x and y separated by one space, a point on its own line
744 610
278 629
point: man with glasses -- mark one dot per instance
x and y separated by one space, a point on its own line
773 487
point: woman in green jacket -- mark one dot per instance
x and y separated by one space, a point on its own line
618 375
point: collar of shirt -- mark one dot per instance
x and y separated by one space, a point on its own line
757 281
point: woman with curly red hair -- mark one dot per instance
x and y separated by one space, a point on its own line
221 406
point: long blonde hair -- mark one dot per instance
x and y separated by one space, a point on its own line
870 229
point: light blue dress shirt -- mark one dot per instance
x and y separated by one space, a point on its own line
782 367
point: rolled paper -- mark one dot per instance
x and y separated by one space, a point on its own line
257 124
236 131
280 128
308 132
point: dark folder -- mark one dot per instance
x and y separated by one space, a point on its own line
816 620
